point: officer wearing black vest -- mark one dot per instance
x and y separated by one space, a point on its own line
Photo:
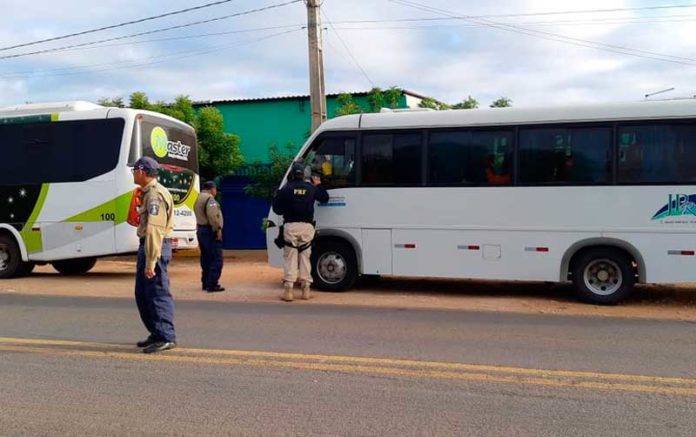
295 202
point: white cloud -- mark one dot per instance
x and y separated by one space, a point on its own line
446 59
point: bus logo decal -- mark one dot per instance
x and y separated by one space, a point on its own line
677 205
159 142
163 147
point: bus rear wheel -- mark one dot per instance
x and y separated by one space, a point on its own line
334 266
603 276
77 266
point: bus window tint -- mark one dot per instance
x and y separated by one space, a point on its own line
565 155
470 158
334 159
391 159
64 151
656 153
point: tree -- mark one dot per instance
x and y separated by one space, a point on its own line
429 102
139 100
468 103
218 152
380 99
502 102
267 177
348 105
112 103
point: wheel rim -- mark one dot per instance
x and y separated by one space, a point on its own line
603 277
332 267
4 258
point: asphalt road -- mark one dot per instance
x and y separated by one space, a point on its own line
68 366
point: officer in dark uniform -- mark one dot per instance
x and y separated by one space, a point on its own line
209 233
295 202
152 295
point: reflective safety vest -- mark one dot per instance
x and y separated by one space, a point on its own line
134 208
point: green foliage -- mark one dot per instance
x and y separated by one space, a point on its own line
348 105
218 152
384 99
139 100
267 177
112 103
468 103
502 102
429 102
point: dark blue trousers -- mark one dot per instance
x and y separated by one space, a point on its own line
211 257
152 296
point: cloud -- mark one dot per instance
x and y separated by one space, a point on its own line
534 60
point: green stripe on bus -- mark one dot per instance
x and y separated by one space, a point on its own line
32 239
115 210
190 199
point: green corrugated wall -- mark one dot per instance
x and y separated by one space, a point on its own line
260 123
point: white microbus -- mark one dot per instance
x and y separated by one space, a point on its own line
65 188
602 195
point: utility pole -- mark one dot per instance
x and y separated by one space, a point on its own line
317 96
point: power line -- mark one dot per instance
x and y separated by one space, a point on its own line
584 11
606 20
127 23
137 63
525 24
555 37
150 32
350 53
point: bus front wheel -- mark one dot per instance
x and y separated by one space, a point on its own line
77 266
603 276
10 258
334 266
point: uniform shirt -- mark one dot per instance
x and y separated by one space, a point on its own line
156 220
208 212
295 201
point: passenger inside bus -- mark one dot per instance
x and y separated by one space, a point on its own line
497 172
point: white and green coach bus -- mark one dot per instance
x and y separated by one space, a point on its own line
65 187
600 195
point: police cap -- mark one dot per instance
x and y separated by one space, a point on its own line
298 169
209 185
146 164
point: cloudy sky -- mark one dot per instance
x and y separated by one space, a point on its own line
532 51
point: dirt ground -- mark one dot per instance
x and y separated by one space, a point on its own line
248 278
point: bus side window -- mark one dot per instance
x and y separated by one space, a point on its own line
333 158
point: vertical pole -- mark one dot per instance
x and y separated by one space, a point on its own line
317 97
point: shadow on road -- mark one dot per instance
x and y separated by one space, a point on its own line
643 294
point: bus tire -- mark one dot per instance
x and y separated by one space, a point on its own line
10 257
26 268
603 276
76 266
334 265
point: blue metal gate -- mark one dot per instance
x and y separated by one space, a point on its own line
243 215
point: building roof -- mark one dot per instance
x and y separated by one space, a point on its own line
294 97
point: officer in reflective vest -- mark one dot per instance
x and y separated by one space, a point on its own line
295 202
152 294
209 221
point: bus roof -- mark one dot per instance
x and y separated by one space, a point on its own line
46 108
666 109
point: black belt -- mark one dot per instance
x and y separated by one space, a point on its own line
164 240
